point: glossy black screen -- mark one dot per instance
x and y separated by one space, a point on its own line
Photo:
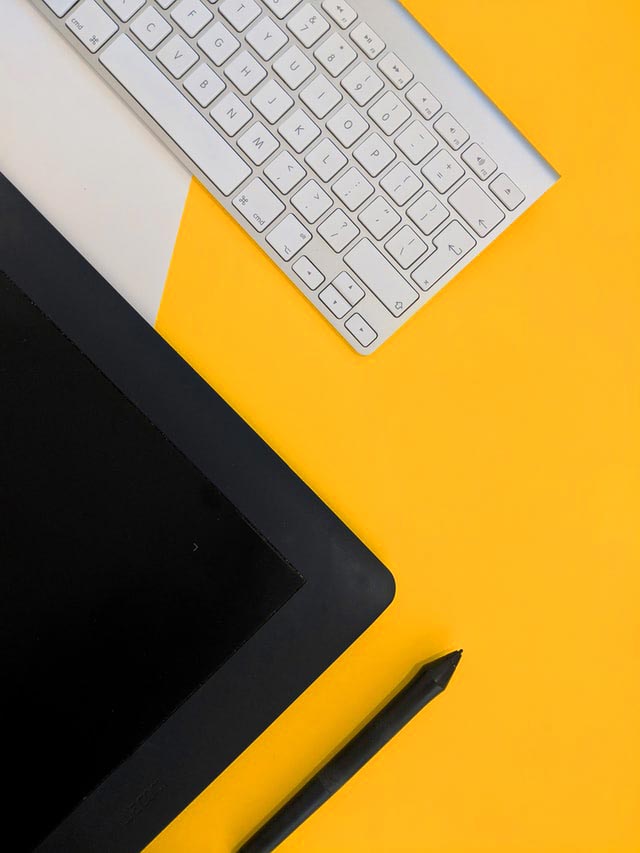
126 578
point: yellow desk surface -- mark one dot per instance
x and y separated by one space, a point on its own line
489 453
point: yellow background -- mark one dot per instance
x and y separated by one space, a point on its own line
489 453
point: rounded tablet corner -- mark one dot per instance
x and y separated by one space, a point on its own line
384 587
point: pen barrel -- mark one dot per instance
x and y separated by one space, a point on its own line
379 731
301 806
429 682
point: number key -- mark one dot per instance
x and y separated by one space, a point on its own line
335 55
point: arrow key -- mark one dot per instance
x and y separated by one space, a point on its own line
361 330
452 244
335 302
308 273
475 206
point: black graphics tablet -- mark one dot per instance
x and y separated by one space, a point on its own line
167 585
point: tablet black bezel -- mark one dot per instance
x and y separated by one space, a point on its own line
346 587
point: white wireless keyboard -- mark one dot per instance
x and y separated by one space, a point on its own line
350 146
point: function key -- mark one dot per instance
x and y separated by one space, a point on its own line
479 161
341 12
367 40
424 101
361 330
451 131
395 70
508 193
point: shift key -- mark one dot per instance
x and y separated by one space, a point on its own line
452 244
383 280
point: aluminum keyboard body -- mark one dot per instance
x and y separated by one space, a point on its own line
347 143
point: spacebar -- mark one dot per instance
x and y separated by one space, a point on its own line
175 115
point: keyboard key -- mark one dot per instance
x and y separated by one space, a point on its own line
381 277
294 67
406 247
307 25
258 143
272 101
299 131
60 7
91 25
389 113
442 171
416 142
218 43
266 38
151 28
401 183
361 330
311 201
347 125
335 302
231 114
362 84
379 218
210 153
125 9
284 172
335 55
348 288
479 161
338 230
281 8
374 154
428 213
258 205
476 208
326 160
320 96
204 84
239 13
395 70
451 131
191 16
245 72
289 237
353 189
308 273
508 193
452 244
424 101
367 40
341 12
177 56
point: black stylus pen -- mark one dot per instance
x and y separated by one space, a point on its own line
430 681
